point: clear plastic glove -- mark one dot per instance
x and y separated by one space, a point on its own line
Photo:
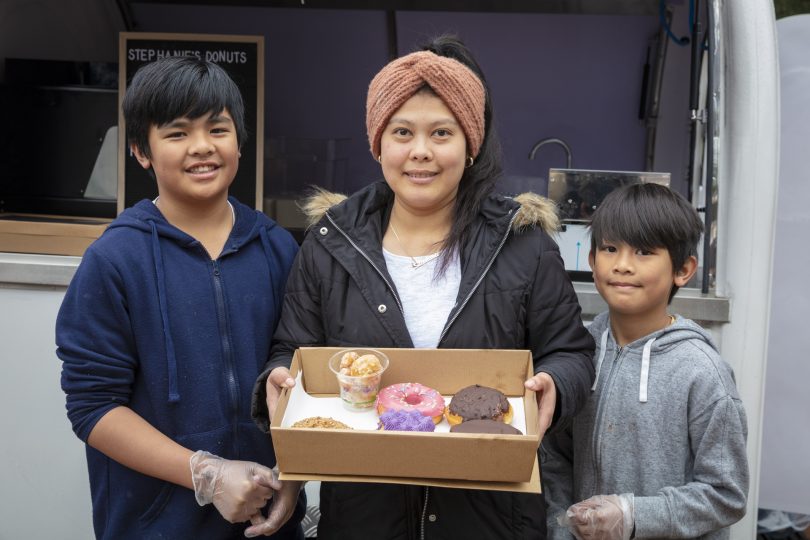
280 511
238 489
602 517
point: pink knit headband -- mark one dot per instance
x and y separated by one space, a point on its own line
459 88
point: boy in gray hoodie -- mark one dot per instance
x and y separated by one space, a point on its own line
659 449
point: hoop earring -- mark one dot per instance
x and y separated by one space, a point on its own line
470 162
379 159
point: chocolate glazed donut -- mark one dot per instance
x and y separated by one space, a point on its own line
485 426
479 403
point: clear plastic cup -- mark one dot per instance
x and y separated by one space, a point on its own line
358 393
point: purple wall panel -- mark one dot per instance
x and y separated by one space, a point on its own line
576 77
318 64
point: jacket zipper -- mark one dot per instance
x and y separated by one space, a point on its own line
424 511
614 368
480 278
366 257
227 353
447 326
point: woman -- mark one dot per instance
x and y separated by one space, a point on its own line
430 258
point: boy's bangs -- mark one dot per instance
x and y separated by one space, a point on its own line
649 217
633 225
189 99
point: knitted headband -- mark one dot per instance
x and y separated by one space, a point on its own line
460 89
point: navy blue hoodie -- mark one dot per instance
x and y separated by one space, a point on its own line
150 322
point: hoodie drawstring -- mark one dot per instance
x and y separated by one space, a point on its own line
602 345
645 366
645 371
171 358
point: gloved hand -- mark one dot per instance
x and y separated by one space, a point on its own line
280 511
238 489
602 517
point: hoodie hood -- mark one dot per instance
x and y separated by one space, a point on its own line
147 218
534 210
657 343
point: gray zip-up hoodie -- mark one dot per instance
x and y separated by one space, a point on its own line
665 423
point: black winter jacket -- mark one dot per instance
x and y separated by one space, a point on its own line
514 294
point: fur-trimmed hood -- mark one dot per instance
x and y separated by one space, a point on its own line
535 210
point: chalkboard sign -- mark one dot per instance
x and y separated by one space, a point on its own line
243 58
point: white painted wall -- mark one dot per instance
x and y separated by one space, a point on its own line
747 187
785 437
46 493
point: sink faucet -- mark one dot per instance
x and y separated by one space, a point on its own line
553 140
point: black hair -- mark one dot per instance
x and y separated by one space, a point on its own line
648 216
177 87
480 178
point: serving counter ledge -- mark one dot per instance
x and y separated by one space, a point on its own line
689 303
57 270
37 270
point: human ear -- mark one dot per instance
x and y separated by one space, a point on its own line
591 258
142 159
686 271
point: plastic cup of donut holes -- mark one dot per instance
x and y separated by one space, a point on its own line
358 373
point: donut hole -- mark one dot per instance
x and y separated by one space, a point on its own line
413 399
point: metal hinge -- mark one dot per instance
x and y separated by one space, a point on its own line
698 115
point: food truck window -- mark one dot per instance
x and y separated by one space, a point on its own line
62 124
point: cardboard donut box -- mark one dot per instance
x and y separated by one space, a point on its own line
480 461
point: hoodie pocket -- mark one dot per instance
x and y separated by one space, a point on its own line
158 505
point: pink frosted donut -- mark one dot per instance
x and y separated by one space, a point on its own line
411 397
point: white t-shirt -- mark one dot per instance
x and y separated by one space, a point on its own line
427 302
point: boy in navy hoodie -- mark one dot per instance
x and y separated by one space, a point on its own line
168 321
658 451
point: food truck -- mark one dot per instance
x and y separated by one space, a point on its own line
683 92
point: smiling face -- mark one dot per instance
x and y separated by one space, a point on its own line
423 153
194 160
636 282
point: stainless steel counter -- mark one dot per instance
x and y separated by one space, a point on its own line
24 270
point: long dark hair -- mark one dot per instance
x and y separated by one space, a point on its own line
479 179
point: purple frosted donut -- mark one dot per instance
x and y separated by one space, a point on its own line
405 421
